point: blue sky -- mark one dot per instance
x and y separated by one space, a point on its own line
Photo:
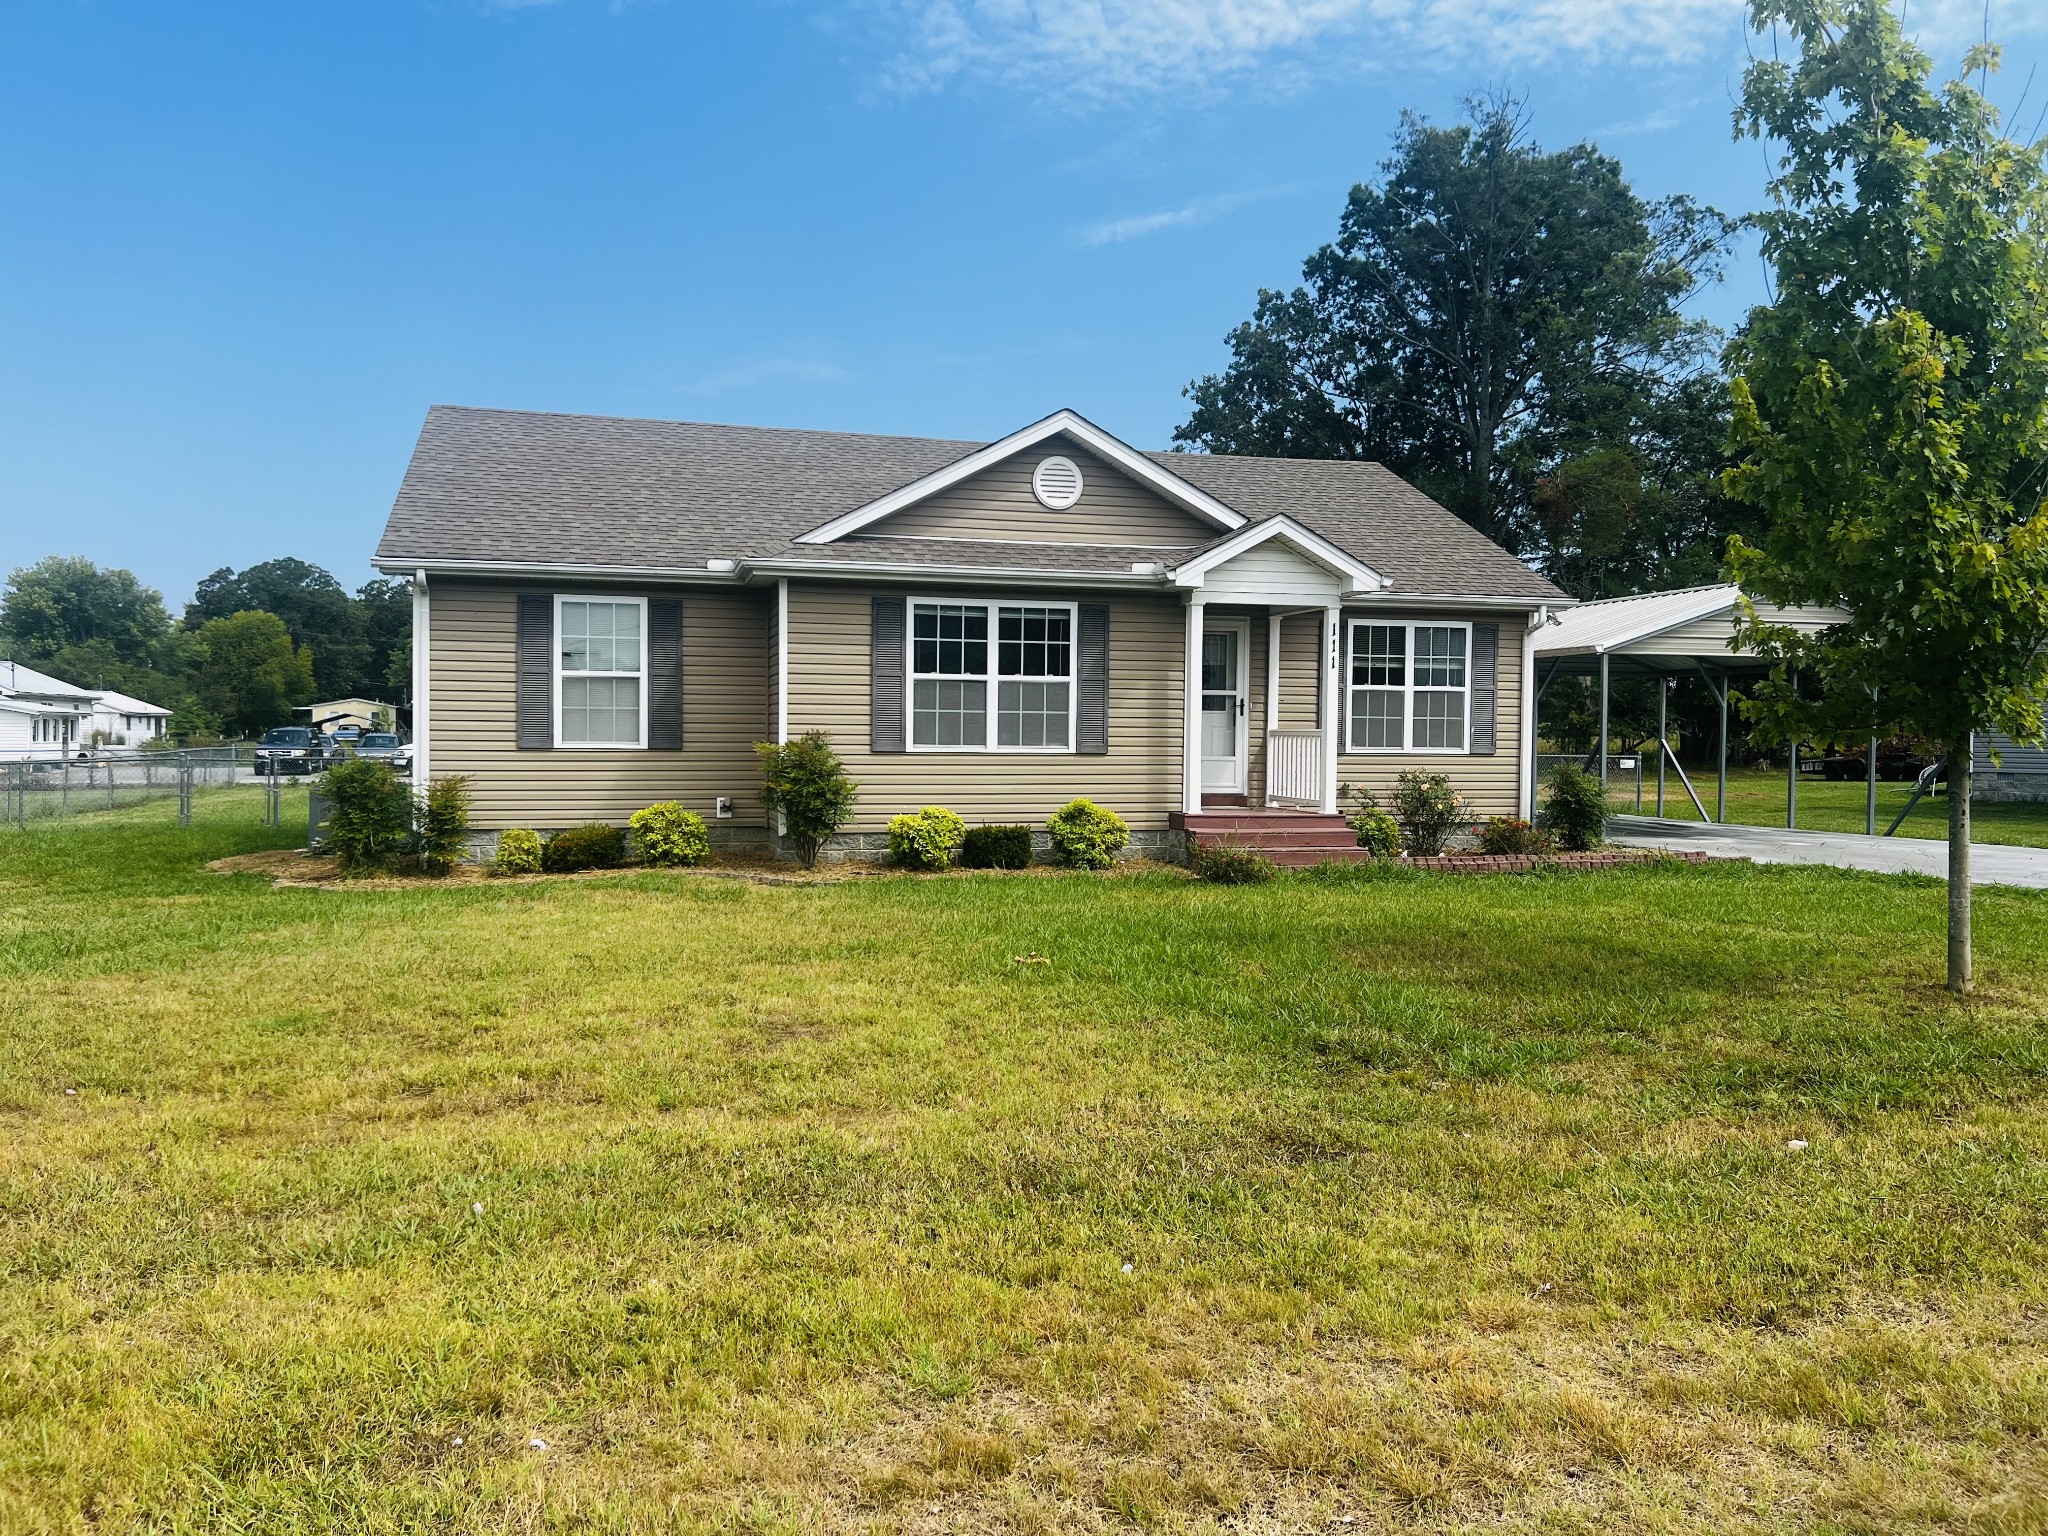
244 246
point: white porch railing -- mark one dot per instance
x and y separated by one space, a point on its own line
1294 767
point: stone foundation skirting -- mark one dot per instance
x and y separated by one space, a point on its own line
1164 846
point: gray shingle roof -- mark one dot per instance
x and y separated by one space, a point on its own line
531 488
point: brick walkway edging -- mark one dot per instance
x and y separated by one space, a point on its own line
1523 863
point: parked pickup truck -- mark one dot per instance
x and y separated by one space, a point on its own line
290 749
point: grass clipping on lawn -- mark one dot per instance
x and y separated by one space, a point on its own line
656 1203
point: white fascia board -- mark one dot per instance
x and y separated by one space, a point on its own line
1121 454
953 575
569 572
1360 579
1448 602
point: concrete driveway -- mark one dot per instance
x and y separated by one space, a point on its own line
1990 863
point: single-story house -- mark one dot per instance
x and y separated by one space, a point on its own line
41 717
612 612
363 714
121 720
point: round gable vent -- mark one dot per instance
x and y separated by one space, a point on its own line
1056 482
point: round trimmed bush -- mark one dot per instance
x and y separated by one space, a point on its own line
1086 836
589 847
665 833
996 848
926 840
518 852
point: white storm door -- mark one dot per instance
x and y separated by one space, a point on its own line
1225 644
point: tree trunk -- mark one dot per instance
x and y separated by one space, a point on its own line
1959 979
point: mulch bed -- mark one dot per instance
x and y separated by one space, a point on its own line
1523 863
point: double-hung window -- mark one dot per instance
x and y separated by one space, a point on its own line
992 676
1410 688
600 657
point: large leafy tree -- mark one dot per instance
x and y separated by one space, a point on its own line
248 675
1891 403
316 609
63 602
92 627
1489 314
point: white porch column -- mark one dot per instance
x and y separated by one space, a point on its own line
1272 694
1333 700
1191 748
422 645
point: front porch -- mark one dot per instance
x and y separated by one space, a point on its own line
1263 712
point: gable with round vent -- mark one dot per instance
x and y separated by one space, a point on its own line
1056 482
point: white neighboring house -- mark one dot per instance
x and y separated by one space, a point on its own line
121 720
42 717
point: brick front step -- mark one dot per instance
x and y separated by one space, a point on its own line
1256 821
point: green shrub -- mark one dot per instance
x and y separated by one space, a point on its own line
1375 828
996 848
804 783
1510 834
371 820
1229 864
665 833
442 816
1575 809
1085 836
1428 809
926 840
518 852
588 847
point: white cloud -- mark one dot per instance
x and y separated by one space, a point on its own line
1200 211
1102 48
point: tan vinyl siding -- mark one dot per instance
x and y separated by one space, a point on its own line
1300 678
725 707
1139 778
998 504
1491 785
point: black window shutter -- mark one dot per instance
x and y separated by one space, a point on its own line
1485 687
885 677
1091 732
535 649
665 674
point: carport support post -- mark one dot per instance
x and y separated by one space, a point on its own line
1663 694
1603 724
1870 790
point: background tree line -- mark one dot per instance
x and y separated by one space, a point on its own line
1506 327
251 646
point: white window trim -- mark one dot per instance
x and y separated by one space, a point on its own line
555 668
993 678
1351 689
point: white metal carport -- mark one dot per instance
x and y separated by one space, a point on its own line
1689 632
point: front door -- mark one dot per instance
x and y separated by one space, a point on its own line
1224 646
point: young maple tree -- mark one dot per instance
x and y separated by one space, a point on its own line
1891 402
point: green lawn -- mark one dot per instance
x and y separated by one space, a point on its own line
1756 797
1442 1203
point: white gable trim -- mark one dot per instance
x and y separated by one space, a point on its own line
1358 579
1124 457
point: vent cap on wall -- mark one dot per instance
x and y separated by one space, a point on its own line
1056 482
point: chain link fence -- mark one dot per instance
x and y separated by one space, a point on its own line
40 791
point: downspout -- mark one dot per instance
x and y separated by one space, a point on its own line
781 659
1527 767
422 644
